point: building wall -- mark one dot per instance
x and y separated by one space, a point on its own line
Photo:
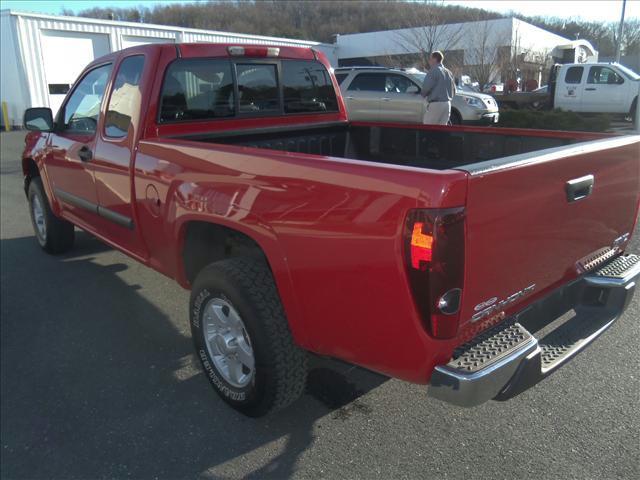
43 50
501 38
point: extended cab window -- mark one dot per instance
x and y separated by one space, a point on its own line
258 87
125 97
307 87
604 75
82 110
368 82
197 89
574 75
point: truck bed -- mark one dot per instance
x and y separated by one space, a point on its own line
437 148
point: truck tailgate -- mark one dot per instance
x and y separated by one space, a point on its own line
532 222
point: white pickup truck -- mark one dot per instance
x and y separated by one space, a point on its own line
582 87
595 88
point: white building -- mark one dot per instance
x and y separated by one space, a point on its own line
462 41
41 55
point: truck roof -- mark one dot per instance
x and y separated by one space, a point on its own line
229 50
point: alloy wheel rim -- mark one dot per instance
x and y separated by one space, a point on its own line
228 343
38 218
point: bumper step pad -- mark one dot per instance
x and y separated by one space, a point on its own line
507 359
620 267
489 347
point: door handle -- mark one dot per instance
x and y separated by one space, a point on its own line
386 99
590 89
579 188
348 98
85 153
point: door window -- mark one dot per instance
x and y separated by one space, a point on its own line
82 111
257 87
397 84
307 87
574 75
125 97
604 75
369 82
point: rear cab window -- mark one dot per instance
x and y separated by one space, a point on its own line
197 89
125 97
574 75
258 87
307 87
214 88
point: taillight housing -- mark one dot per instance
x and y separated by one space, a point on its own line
434 251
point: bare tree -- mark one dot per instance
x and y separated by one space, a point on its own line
482 58
428 31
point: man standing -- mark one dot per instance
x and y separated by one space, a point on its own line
438 88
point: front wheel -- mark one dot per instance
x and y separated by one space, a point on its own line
54 234
242 337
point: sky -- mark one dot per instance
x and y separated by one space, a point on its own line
605 10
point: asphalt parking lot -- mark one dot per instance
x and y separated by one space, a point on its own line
98 380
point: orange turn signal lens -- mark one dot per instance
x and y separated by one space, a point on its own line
421 245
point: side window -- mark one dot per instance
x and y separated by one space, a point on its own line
125 97
397 84
340 77
82 110
197 89
257 87
604 75
368 82
307 87
574 75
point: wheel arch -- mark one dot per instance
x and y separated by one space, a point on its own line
30 170
204 240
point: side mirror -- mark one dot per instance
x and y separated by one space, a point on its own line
413 89
39 119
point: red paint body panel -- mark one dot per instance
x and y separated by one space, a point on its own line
332 228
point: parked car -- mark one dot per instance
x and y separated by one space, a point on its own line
439 255
383 94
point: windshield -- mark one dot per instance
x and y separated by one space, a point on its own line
628 72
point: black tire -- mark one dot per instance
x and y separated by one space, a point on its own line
59 234
632 111
455 118
280 372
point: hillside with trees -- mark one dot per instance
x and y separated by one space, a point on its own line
322 20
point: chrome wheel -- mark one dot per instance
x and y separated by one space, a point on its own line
228 343
38 218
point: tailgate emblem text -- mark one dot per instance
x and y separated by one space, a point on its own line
487 307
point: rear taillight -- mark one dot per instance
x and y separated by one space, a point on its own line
434 249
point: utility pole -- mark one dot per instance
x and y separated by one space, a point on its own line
620 30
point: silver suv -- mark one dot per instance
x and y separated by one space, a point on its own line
387 94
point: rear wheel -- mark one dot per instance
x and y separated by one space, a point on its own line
242 337
54 234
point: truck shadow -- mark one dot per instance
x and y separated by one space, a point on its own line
99 382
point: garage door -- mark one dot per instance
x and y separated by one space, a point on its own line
65 54
134 40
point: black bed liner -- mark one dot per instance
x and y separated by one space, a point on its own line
433 149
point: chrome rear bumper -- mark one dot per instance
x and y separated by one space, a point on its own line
524 349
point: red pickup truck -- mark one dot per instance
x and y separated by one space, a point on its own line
475 260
